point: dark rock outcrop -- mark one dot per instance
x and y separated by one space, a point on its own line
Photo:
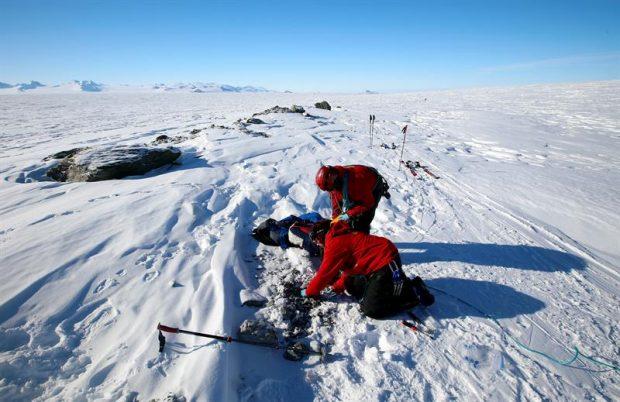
280 109
64 154
243 127
110 163
297 109
162 139
323 105
254 120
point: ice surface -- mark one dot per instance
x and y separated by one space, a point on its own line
523 223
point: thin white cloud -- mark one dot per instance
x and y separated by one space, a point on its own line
559 61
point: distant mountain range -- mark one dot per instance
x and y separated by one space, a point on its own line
92 86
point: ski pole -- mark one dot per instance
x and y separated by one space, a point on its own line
402 150
373 126
370 129
294 351
227 339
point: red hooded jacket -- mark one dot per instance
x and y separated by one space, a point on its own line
347 253
361 183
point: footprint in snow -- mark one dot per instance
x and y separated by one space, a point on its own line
4 234
105 284
147 260
149 276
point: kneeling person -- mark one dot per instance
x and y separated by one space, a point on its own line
368 268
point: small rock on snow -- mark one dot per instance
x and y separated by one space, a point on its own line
323 105
258 332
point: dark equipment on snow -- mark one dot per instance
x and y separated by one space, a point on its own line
412 166
294 351
415 328
298 350
292 231
418 325
319 230
263 233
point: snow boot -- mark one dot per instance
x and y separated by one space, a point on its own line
426 298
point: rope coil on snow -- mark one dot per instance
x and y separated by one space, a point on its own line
566 362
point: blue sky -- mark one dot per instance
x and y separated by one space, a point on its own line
334 45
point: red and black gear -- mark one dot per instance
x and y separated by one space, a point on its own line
354 190
347 253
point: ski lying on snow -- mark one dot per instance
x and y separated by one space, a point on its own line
415 328
412 166
417 325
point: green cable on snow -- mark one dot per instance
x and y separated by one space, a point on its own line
566 362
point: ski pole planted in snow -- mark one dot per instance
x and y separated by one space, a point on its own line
370 127
373 126
402 150
295 351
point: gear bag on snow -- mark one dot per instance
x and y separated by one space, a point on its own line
292 231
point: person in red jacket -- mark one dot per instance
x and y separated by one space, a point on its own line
355 191
367 267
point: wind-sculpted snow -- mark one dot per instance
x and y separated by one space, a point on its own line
522 225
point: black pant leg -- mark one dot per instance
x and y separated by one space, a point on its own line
355 285
378 300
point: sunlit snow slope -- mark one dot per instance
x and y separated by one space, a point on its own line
523 223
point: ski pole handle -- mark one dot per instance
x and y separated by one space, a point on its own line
167 329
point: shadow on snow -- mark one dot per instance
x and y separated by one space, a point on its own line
499 301
500 255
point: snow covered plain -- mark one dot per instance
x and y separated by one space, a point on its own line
523 223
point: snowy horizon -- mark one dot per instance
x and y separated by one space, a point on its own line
36 87
395 46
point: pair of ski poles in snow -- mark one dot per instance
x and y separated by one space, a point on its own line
371 127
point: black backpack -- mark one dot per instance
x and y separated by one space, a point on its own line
381 186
